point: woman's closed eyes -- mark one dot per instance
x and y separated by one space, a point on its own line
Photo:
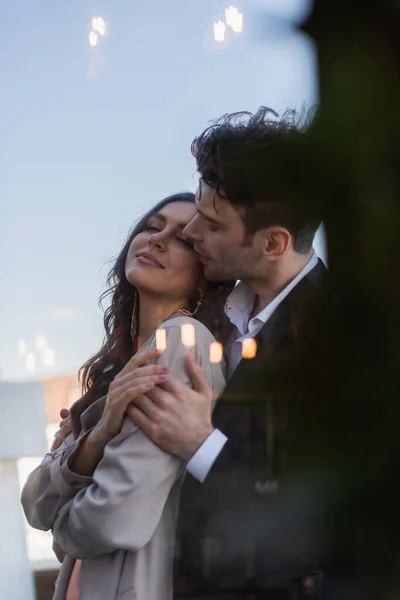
180 239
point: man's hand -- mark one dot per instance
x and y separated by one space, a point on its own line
175 417
65 429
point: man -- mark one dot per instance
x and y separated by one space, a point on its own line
252 225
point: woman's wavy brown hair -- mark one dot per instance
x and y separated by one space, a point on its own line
118 347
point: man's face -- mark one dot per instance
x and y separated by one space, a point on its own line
218 233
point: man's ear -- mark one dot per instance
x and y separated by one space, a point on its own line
276 242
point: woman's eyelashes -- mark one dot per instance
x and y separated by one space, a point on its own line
180 239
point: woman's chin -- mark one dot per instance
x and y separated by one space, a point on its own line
138 276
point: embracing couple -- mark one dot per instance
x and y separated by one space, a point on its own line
171 455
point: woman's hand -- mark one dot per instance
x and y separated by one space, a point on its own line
64 431
135 379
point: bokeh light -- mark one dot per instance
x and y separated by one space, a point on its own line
249 348
219 31
40 342
93 39
188 335
49 356
234 19
99 26
21 348
30 362
216 352
161 339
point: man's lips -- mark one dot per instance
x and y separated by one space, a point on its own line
145 258
202 257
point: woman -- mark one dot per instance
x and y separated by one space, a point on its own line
109 494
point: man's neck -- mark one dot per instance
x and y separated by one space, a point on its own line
280 275
152 312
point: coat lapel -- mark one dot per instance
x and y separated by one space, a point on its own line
276 339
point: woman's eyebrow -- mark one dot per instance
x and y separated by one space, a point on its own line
158 216
165 220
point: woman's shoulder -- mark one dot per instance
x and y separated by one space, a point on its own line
181 332
177 342
200 330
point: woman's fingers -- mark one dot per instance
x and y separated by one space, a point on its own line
158 373
139 360
64 413
129 391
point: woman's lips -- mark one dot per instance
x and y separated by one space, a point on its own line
148 260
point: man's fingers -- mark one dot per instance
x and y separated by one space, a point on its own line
158 395
140 419
197 376
143 403
136 374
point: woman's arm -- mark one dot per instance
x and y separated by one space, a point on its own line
67 470
121 508
46 490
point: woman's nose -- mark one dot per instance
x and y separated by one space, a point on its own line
158 241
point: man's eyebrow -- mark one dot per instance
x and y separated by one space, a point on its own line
207 218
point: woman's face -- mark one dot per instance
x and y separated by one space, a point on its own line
161 260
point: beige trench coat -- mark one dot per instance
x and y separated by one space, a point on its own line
121 521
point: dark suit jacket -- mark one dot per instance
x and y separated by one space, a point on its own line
236 527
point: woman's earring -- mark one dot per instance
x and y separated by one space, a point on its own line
187 313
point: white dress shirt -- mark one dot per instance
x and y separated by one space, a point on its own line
238 308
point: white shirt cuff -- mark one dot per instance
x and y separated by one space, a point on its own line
200 464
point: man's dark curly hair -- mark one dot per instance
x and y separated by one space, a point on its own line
257 163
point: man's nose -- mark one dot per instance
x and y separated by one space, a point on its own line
192 231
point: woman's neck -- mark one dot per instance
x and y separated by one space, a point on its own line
153 311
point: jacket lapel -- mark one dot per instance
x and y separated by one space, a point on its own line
276 338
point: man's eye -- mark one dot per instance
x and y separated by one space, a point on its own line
151 228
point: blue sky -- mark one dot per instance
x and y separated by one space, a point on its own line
91 137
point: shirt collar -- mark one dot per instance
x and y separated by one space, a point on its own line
240 301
